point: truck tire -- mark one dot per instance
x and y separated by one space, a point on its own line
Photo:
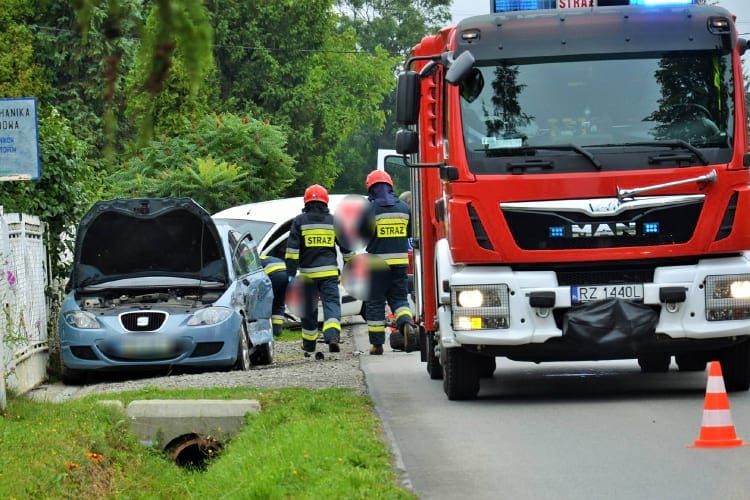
486 366
691 362
735 367
655 363
433 362
460 375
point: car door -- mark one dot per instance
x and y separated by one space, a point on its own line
252 282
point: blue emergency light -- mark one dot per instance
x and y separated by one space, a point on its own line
515 5
651 3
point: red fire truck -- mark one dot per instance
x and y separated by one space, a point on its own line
580 180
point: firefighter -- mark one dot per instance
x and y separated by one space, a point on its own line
386 227
275 268
311 249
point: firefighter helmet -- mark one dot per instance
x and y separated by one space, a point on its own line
377 176
316 192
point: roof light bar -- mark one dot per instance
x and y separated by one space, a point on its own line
516 5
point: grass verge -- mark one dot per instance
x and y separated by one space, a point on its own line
305 444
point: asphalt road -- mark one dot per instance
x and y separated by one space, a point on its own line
557 431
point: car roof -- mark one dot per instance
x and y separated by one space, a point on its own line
274 211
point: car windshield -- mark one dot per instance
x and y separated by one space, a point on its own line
258 229
543 116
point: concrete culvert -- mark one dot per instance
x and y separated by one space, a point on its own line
193 451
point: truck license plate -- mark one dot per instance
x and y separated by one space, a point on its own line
588 293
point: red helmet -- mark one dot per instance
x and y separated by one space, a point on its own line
378 176
316 192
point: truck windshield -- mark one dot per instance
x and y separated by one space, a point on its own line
660 111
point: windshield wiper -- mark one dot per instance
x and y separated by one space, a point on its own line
672 143
531 150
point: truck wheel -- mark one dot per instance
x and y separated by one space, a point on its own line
460 375
655 363
433 362
486 366
422 344
735 367
690 362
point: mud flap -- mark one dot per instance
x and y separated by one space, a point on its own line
611 324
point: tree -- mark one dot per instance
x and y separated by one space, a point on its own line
158 103
86 78
396 26
67 183
309 77
219 160
184 24
64 192
20 75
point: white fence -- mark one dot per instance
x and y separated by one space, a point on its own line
23 306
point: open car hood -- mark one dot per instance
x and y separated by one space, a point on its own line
122 239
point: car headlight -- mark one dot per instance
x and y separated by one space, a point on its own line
209 316
728 297
480 307
82 319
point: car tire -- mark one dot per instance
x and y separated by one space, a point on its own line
71 376
263 354
460 375
243 350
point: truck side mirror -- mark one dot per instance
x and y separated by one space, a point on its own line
460 68
743 44
407 98
407 142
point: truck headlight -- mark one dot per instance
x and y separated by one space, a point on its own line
480 307
727 297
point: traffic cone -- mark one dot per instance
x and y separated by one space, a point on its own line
717 429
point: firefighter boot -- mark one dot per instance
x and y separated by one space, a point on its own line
308 345
396 339
333 346
376 350
411 338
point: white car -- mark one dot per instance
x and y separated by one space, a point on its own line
269 223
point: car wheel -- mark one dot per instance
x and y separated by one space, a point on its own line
735 367
243 350
72 377
655 363
460 375
433 362
263 354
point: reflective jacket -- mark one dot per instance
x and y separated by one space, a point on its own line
386 226
312 242
272 264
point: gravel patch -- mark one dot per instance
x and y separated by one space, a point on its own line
290 368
